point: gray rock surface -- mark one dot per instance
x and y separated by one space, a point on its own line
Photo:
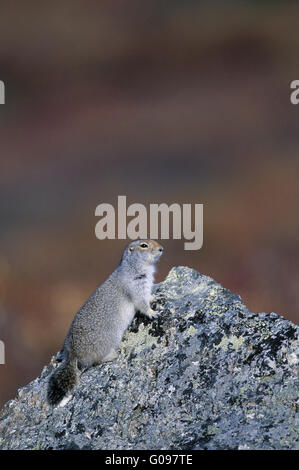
207 374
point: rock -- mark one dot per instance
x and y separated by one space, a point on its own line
207 374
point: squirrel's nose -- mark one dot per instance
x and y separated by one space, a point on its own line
161 249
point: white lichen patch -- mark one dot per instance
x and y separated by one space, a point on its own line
293 359
138 342
232 340
191 331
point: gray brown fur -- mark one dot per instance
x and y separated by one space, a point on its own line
100 324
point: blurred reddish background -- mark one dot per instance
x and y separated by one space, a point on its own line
166 101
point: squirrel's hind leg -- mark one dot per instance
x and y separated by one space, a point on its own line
111 356
92 361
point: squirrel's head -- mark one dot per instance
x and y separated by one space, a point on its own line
145 251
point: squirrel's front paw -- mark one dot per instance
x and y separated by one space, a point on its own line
151 313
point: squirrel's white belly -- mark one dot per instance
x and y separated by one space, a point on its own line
126 314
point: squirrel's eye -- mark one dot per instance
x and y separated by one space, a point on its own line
144 245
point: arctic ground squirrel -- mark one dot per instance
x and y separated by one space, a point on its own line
101 322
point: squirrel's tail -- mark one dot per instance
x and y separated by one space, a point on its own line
62 380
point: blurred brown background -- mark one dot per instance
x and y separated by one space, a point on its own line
162 101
